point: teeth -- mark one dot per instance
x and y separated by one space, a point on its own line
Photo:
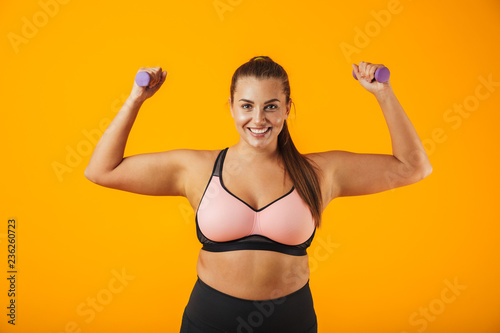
256 131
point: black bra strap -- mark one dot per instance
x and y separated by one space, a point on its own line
218 162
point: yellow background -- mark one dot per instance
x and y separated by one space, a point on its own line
394 250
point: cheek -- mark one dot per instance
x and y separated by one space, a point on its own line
278 120
242 118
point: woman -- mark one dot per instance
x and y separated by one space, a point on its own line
258 202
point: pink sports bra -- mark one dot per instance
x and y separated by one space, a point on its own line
224 222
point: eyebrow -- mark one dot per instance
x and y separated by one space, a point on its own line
269 101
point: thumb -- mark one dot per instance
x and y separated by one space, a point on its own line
356 70
163 77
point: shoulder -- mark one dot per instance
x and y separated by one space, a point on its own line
199 165
325 160
196 159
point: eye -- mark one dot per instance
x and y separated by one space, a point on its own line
274 107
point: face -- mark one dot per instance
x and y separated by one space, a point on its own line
259 110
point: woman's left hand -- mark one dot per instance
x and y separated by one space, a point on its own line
365 72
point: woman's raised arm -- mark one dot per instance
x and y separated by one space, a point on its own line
151 173
350 174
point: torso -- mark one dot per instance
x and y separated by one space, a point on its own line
248 274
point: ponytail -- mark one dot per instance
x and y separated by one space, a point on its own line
302 173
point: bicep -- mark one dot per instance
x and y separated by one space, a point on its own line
359 173
161 173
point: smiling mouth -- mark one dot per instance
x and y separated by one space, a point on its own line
260 130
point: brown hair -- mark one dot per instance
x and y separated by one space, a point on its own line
302 172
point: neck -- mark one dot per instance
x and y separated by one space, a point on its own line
250 153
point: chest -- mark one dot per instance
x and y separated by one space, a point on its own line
256 189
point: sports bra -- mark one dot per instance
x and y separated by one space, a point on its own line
224 222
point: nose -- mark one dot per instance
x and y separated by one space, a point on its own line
259 116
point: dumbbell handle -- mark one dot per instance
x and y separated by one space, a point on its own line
382 74
142 79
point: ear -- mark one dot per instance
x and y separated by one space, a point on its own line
230 107
288 108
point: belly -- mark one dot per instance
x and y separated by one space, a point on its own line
253 274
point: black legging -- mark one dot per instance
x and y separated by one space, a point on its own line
212 311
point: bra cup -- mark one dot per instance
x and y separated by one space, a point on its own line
222 217
284 221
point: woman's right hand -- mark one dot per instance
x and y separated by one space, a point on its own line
157 78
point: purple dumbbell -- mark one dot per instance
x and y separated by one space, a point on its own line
142 79
381 74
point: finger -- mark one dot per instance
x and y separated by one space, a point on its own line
362 69
159 75
155 88
163 75
371 72
154 76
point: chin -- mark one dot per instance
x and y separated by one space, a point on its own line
260 144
